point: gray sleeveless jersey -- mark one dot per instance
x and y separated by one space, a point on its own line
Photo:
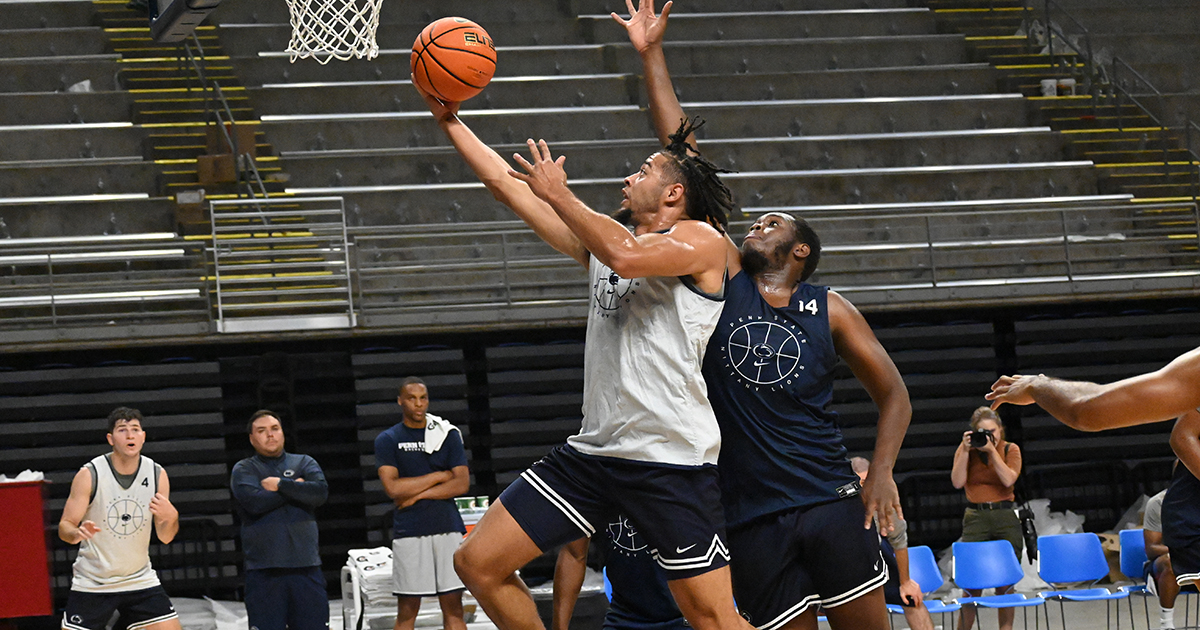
117 558
644 398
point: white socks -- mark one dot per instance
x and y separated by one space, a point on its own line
1166 617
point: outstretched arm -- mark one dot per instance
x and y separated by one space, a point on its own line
646 32
492 170
688 248
1161 395
857 345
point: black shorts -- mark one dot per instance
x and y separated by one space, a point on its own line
1185 561
785 563
138 609
677 509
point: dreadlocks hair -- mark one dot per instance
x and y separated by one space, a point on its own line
708 198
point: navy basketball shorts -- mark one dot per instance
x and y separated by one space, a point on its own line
785 563
1185 561
677 509
138 609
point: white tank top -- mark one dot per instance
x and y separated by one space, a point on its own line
643 396
118 557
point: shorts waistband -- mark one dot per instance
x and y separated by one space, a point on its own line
996 505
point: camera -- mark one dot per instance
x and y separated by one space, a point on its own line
979 439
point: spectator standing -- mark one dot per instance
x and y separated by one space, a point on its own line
423 466
988 473
277 494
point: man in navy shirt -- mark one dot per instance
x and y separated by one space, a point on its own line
800 523
276 494
423 466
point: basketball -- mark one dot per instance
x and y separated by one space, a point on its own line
453 59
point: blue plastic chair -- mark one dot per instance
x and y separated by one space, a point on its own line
992 564
1076 558
923 568
1133 565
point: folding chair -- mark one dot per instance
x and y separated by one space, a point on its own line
1133 565
992 564
923 568
1076 558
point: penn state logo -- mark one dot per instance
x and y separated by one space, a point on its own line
610 291
289 473
761 352
625 537
125 517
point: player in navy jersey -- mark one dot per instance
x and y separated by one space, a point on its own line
1181 506
800 525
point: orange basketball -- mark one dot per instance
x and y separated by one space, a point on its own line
453 59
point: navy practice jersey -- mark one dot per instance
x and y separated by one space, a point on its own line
769 373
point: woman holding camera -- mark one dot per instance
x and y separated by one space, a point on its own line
987 466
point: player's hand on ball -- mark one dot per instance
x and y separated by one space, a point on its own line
87 530
441 110
544 175
645 29
162 508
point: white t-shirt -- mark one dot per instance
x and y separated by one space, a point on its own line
1152 520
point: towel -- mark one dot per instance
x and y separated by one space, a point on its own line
436 430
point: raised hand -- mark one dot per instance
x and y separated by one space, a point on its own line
544 175
645 29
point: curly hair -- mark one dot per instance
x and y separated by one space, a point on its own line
708 199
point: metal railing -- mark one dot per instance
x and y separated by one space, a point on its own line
217 112
1112 81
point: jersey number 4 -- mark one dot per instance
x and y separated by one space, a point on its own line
145 483
810 306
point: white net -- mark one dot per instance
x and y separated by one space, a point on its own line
333 29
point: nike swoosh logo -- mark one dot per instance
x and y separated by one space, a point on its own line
683 549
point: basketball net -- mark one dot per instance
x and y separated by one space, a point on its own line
333 29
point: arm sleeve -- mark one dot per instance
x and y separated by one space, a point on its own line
249 493
385 451
898 539
453 452
312 492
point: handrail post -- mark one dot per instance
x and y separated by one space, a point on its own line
932 259
1066 238
1049 32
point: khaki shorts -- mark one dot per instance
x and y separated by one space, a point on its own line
423 566
985 525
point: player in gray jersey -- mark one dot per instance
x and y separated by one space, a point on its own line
114 499
649 440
